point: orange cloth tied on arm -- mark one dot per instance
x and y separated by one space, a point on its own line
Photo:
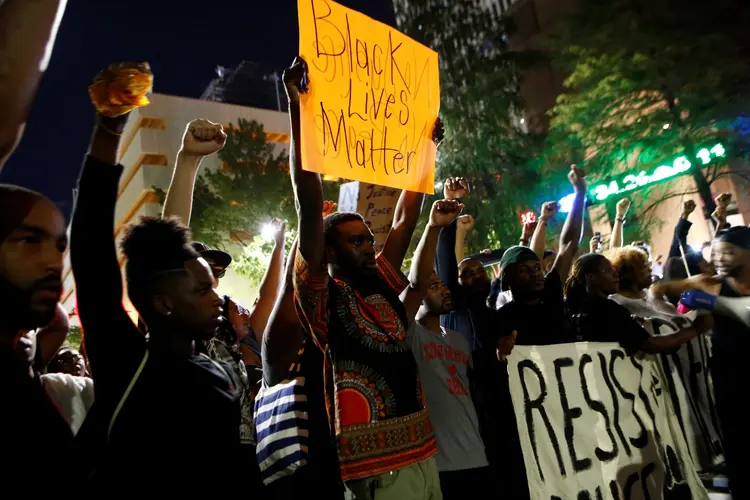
119 90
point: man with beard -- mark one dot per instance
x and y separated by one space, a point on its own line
348 298
730 341
32 242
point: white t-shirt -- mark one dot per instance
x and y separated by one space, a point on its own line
72 395
444 360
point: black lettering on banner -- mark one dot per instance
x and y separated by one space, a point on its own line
669 375
401 120
341 127
615 403
597 406
349 109
315 25
675 487
647 471
641 441
614 490
569 414
644 398
538 404
390 100
631 481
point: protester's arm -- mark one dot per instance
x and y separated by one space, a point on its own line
708 284
442 213
464 224
615 240
719 217
681 230
284 335
405 218
111 336
201 139
670 343
27 35
539 238
573 228
269 287
445 257
528 230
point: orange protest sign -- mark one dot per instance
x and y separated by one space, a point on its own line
373 99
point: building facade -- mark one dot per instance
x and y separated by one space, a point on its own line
151 142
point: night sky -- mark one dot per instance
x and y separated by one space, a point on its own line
183 40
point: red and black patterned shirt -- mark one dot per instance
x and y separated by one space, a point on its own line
380 417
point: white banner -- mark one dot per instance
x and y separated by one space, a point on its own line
596 423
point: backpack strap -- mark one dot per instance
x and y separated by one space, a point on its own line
127 393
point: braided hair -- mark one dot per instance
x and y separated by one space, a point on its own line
575 285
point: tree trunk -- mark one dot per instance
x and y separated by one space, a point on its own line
704 188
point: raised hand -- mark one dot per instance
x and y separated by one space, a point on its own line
688 208
622 208
723 200
295 80
328 208
549 210
438 133
280 227
203 137
596 243
444 212
577 178
465 223
455 188
528 230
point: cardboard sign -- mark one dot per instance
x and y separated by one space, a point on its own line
377 204
595 422
373 99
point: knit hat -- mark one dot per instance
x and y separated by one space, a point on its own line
516 254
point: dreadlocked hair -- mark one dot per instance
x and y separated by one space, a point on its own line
152 246
331 223
575 285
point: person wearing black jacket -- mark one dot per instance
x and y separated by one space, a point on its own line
167 419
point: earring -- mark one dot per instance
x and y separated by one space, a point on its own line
169 313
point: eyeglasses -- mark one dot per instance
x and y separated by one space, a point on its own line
219 272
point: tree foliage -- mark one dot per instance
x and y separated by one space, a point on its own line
231 204
651 81
480 106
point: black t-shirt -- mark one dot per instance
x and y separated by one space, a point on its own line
31 432
604 320
543 323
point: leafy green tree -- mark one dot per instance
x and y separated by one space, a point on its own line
480 107
651 81
231 204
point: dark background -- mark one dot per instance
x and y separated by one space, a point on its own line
182 40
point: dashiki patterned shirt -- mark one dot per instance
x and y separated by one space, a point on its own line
380 416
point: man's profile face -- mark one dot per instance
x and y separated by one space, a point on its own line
355 250
31 262
527 276
473 277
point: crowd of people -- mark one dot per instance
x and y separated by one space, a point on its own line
346 378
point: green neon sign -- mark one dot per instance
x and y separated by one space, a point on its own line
630 181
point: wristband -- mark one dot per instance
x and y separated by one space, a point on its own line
620 219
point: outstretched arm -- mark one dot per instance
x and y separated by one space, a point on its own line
27 35
308 191
443 212
681 230
405 218
572 230
615 241
269 287
201 138
284 335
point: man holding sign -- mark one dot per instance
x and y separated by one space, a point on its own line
348 298
369 115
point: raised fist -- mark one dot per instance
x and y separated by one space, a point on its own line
688 208
723 200
279 227
465 223
444 212
577 178
622 207
203 137
295 80
455 188
549 210
595 243
528 230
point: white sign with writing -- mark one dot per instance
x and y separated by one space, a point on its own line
377 204
596 423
